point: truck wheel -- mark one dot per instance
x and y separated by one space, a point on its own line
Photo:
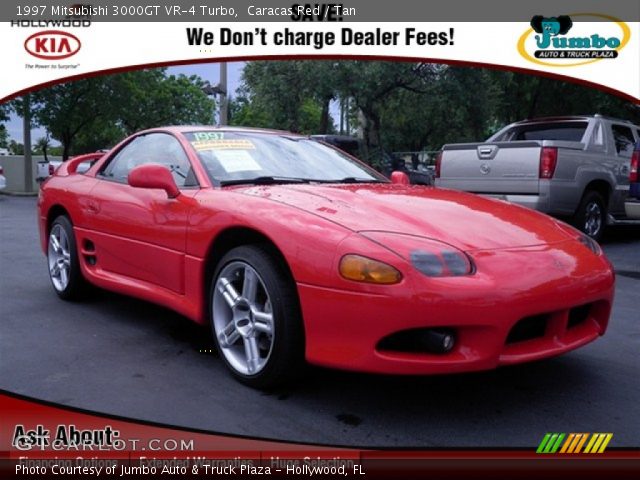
591 216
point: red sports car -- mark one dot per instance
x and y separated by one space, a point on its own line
293 251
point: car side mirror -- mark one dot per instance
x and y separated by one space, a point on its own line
153 176
400 178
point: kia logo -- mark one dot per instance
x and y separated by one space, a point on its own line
52 45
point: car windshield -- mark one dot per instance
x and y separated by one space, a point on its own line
248 157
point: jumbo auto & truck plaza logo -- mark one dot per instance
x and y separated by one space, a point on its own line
572 40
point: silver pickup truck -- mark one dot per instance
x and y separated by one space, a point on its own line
575 167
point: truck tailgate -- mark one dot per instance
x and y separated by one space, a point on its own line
496 167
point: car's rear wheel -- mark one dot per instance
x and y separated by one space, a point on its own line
591 216
255 317
62 258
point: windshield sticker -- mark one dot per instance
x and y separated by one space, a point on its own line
222 144
237 161
208 135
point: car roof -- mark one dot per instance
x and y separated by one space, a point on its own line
570 118
555 119
220 128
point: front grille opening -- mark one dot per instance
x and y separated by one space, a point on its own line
528 328
419 340
578 315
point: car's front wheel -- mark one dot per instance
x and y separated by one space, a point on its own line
62 258
255 316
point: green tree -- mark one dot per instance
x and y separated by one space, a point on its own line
5 110
94 113
16 148
154 99
288 95
4 137
371 85
69 108
43 144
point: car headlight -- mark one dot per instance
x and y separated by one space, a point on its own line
590 243
429 257
443 263
368 270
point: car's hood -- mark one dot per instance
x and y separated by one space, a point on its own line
467 221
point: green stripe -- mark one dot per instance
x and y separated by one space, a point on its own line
550 443
543 443
558 443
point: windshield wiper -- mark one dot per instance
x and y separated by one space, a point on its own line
355 180
265 180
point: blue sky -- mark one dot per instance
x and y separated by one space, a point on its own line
208 71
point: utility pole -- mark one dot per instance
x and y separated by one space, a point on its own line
224 104
26 121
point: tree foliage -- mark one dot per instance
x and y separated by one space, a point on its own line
4 137
5 109
280 94
94 113
43 145
409 106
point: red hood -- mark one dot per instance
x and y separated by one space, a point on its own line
469 222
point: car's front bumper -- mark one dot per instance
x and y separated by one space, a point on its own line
549 283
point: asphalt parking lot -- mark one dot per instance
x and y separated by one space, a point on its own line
122 356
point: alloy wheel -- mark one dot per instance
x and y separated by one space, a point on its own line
243 318
59 258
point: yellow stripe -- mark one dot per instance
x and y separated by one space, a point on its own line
579 446
596 445
606 442
590 444
567 442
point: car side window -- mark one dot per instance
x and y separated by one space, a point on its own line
623 139
159 148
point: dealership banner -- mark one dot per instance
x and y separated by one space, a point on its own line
589 42
41 440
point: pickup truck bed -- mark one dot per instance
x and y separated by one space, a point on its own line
574 167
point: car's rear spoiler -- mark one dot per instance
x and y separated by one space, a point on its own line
70 166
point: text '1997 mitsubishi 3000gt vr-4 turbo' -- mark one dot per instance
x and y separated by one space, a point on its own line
296 252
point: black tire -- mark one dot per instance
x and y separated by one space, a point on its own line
76 286
285 359
591 215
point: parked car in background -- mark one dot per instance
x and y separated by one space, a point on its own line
576 167
3 179
46 168
632 205
386 162
4 152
